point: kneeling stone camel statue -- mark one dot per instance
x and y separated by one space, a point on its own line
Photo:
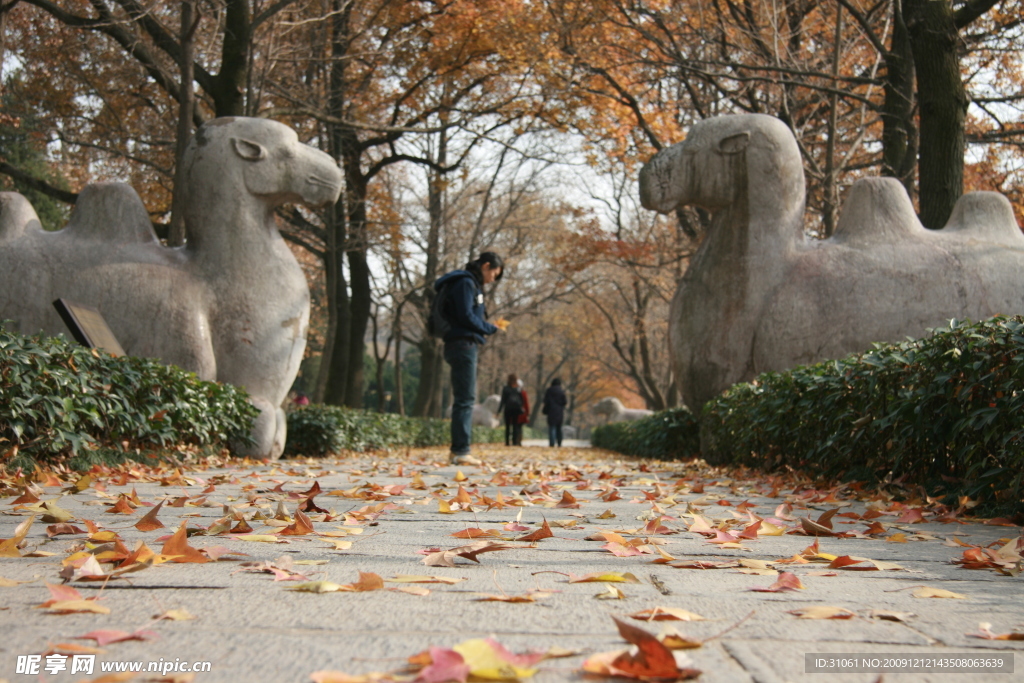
614 411
232 305
760 295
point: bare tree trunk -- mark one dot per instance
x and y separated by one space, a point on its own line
943 107
186 102
397 332
899 134
429 392
830 195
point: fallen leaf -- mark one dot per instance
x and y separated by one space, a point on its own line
611 593
927 592
486 658
445 665
106 637
985 632
541 533
178 549
149 522
606 577
652 660
63 529
176 615
9 547
787 581
888 615
822 612
413 578
666 614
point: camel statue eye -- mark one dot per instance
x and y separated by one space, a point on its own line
734 144
248 150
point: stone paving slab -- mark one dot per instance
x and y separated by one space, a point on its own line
251 628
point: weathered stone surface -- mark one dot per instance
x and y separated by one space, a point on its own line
760 295
232 305
614 411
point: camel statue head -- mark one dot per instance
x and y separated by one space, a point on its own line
262 158
711 168
608 406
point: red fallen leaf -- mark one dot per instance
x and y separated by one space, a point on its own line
300 527
149 522
26 497
568 501
462 497
105 637
515 526
703 564
999 521
368 581
985 632
122 506
812 528
619 550
787 581
751 531
62 528
613 494
543 532
875 529
178 502
697 488
911 516
177 545
656 527
652 659
445 665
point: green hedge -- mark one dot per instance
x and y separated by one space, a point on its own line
317 430
667 435
61 399
945 411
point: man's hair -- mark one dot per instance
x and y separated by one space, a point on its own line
513 378
556 382
490 258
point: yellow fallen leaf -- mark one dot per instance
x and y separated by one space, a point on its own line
176 615
897 538
666 614
927 592
611 593
608 577
485 662
55 514
9 547
10 583
260 538
317 587
338 545
415 578
72 606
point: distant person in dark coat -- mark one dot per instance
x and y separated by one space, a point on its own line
514 408
554 407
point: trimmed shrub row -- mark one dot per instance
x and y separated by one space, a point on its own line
945 411
667 435
316 430
60 399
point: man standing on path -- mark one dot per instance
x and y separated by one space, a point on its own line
463 310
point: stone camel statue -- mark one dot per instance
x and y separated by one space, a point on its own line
232 305
761 295
614 411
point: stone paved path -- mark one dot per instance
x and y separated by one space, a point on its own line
390 507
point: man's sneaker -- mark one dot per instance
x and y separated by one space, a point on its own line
466 459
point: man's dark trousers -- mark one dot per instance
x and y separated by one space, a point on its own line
461 355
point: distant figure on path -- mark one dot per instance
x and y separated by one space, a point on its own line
463 310
513 405
554 407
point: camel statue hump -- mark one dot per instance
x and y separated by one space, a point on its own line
16 216
878 210
111 212
986 216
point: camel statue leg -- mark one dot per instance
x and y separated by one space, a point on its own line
268 431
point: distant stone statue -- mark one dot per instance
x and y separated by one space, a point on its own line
484 414
760 295
614 411
232 305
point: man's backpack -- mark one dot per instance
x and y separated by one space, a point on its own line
437 324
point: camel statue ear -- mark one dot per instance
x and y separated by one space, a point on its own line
734 144
248 150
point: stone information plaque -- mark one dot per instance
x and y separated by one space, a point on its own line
88 327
